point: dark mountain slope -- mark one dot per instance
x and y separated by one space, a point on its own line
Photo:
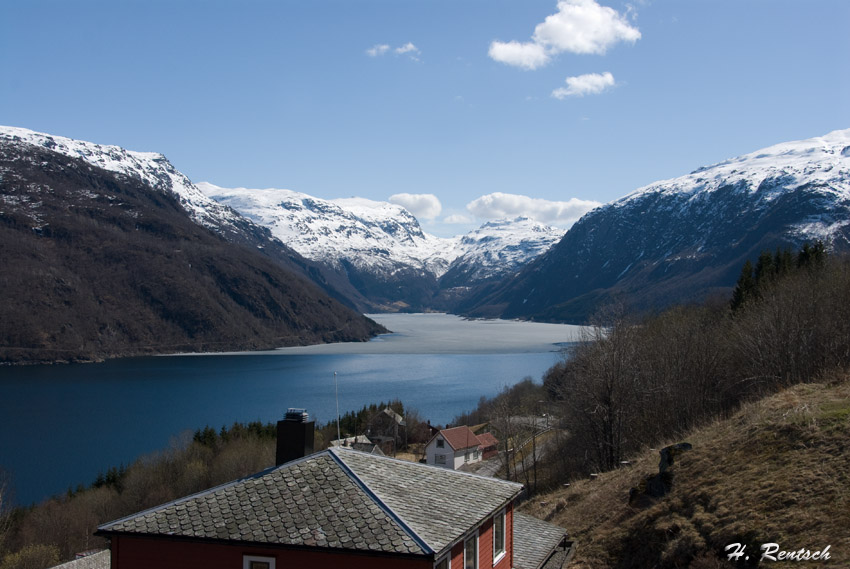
683 239
97 264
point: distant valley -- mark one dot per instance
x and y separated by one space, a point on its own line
383 251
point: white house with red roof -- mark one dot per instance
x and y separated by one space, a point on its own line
452 448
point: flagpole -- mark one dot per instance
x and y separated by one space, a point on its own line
336 388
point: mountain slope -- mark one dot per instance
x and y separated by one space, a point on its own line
382 249
496 249
101 263
682 239
774 472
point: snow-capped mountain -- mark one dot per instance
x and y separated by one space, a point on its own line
497 249
372 255
382 246
378 237
111 253
684 238
151 168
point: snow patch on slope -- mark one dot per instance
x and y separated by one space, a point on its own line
149 167
377 236
822 161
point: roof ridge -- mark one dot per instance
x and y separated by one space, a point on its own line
466 432
381 504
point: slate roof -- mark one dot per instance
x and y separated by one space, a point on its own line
438 504
460 437
100 560
488 440
338 499
534 542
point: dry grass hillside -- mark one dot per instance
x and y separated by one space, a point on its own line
777 471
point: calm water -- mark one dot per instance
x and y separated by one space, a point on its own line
62 425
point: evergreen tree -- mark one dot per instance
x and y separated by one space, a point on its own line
745 289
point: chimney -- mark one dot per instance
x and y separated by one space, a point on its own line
294 436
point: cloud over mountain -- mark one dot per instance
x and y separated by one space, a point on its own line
426 206
500 205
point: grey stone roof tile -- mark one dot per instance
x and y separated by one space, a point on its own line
311 502
99 560
339 499
437 504
534 541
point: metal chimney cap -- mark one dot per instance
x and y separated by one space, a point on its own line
297 414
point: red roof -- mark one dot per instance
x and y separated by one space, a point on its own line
488 440
460 438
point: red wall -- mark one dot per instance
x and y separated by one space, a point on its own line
130 552
485 545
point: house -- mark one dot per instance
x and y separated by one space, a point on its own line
388 430
360 442
452 448
489 445
340 508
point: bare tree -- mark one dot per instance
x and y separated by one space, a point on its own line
601 393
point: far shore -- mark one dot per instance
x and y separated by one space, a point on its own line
437 333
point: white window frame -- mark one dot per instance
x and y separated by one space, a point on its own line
247 559
501 517
477 550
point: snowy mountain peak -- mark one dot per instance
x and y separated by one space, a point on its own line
381 237
822 160
152 168
378 236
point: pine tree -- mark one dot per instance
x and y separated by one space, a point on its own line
745 289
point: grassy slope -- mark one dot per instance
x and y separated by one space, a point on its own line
778 471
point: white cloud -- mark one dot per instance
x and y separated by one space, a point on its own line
407 48
376 50
499 205
426 206
581 85
579 26
526 55
457 219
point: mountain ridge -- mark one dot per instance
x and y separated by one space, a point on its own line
383 249
683 239
101 263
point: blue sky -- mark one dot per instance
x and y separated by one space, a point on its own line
462 109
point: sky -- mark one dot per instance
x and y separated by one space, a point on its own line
460 110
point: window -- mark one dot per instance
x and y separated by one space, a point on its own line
441 443
470 553
444 563
253 562
439 459
498 537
